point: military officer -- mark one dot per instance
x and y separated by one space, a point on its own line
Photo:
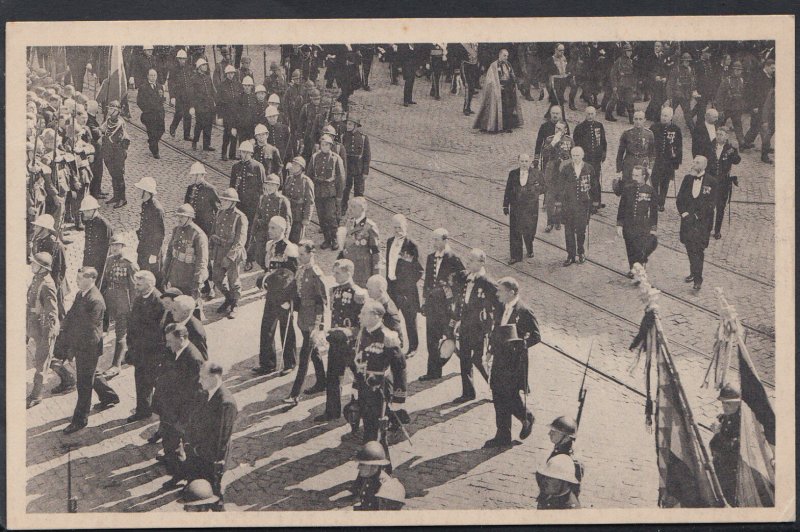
203 198
725 443
311 123
117 290
356 145
681 85
98 236
730 100
277 330
637 219
591 136
265 153
299 189
695 202
229 92
275 82
623 82
310 299
326 170
669 154
272 203
186 263
360 242
202 98
337 147
45 240
279 133
575 183
247 178
227 250
151 228
115 142
636 147
555 154
346 299
42 320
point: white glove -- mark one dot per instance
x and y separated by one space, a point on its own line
89 67
619 231
285 306
191 112
172 101
130 80
152 259
233 131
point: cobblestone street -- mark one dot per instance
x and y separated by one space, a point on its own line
429 164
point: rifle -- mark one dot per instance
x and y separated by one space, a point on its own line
582 390
72 502
265 64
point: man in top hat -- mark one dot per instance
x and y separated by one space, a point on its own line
299 189
730 100
227 250
268 155
98 235
637 219
45 240
180 82
326 170
356 145
202 98
724 445
229 92
150 100
186 262
117 289
247 178
681 88
360 242
42 320
151 228
668 141
695 202
279 133
272 203
115 142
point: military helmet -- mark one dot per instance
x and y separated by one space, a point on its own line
246 146
299 161
46 221
326 138
271 111
737 64
560 467
314 93
261 129
686 56
329 129
260 88
113 103
247 81
197 168
230 194
627 47
89 203
392 490
147 183
44 259
274 179
186 210
200 62
181 54
372 453
199 492
117 240
230 69
565 425
729 393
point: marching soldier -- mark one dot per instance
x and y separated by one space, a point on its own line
681 85
310 302
695 202
274 103
42 320
356 145
227 250
249 110
275 82
203 198
558 485
636 148
326 170
117 289
725 443
575 183
279 133
98 235
437 293
591 136
45 240
186 263
151 229
337 147
360 242
261 105
202 98
277 330
265 153
115 142
725 155
346 299
299 189
637 219
669 154
272 203
730 101
521 203
310 125
229 93
180 82
623 83
247 178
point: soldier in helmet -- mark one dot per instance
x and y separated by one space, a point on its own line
562 434
326 170
180 81
373 486
247 178
358 157
202 99
227 250
558 486
151 230
261 105
623 82
360 242
299 189
274 101
45 240
203 198
198 496
338 147
42 320
681 88
272 203
724 444
186 262
268 155
98 236
115 142
279 133
311 123
118 293
730 100
248 108
275 82
229 93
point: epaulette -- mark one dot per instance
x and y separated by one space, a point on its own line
390 338
291 250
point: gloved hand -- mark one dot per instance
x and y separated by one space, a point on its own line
191 112
233 131
172 101
505 211
619 231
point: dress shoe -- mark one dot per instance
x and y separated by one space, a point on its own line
325 245
208 148
466 113
138 417
581 258
113 199
223 307
262 371
413 103
765 158
110 373
437 97
194 146
629 275
527 426
79 228
294 401
569 261
105 405
285 371
156 156
513 262
323 418
495 443
530 254
548 228
74 427
367 88
121 203
33 401
172 483
689 278
317 388
62 389
746 146
660 208
717 236
429 378
463 399
155 438
103 195
697 285
602 205
405 104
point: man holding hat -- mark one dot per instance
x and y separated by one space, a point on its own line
98 236
151 228
117 287
229 92
268 155
249 109
326 170
247 178
227 243
695 203
180 82
186 262
272 203
681 88
725 443
115 142
45 240
279 132
299 189
150 100
356 145
202 98
42 320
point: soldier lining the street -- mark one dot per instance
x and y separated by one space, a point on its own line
637 219
151 232
42 321
180 85
202 100
724 445
115 142
558 485
299 189
227 251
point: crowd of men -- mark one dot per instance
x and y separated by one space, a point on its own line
295 153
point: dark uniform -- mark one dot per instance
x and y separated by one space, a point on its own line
680 86
227 252
150 100
281 263
299 190
146 347
292 103
186 263
228 97
591 136
180 81
95 249
42 325
554 158
725 453
636 148
250 110
658 67
270 205
203 198
310 301
356 145
401 284
310 127
574 196
280 136
565 501
668 141
623 81
326 170
141 66
248 177
346 302
115 142
202 98
151 234
521 203
730 102
437 292
96 166
270 158
638 216
720 167
361 246
117 288
696 224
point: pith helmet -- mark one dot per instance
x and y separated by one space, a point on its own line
89 203
197 168
148 184
372 453
560 467
46 221
230 194
729 393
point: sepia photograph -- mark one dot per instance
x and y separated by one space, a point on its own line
461 282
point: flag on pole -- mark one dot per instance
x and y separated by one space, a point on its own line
115 87
57 65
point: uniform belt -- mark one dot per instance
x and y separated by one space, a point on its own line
184 257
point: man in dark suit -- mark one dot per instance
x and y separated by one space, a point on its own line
145 341
510 366
437 293
669 154
474 309
151 101
521 203
208 435
761 83
724 155
591 136
82 330
695 203
705 134
403 271
182 312
408 57
576 179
